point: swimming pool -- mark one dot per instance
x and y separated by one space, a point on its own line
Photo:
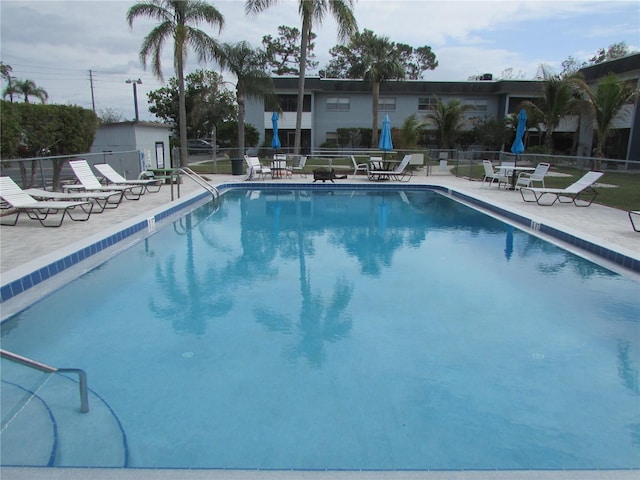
303 329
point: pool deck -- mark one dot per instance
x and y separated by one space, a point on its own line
27 246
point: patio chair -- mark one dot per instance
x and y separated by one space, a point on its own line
90 183
279 168
255 167
526 179
634 214
101 200
375 163
574 192
507 167
399 173
299 168
115 178
17 199
492 176
358 167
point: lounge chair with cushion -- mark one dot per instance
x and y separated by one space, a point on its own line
492 176
399 173
17 199
101 200
107 171
256 168
90 183
580 191
526 179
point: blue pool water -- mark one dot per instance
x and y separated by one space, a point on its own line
297 329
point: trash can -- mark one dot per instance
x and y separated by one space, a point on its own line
236 166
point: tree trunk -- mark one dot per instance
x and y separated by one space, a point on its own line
374 114
34 166
23 174
182 114
57 173
240 99
548 139
304 44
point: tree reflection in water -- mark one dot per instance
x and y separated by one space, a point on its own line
285 224
317 323
189 304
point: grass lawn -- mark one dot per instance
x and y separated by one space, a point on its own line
622 189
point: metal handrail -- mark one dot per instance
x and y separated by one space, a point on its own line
196 178
82 375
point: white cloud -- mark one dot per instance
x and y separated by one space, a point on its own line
56 43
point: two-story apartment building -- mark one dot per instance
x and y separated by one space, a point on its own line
330 104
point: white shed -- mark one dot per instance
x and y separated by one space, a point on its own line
131 147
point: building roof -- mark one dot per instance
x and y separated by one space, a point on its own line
133 123
414 87
622 65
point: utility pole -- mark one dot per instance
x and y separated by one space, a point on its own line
93 100
135 94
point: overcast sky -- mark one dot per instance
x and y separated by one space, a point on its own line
57 43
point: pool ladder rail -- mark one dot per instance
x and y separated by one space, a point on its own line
82 375
196 178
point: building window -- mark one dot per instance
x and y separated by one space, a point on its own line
387 104
479 105
515 104
289 103
335 104
426 103
331 138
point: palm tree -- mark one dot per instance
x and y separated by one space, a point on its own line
5 73
410 131
311 11
558 99
448 119
26 88
605 103
248 66
176 18
379 63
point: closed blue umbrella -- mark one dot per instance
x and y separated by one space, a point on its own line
385 143
275 141
518 146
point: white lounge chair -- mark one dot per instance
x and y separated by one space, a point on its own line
17 199
574 192
101 200
492 176
526 179
114 177
90 183
256 168
399 173
299 168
